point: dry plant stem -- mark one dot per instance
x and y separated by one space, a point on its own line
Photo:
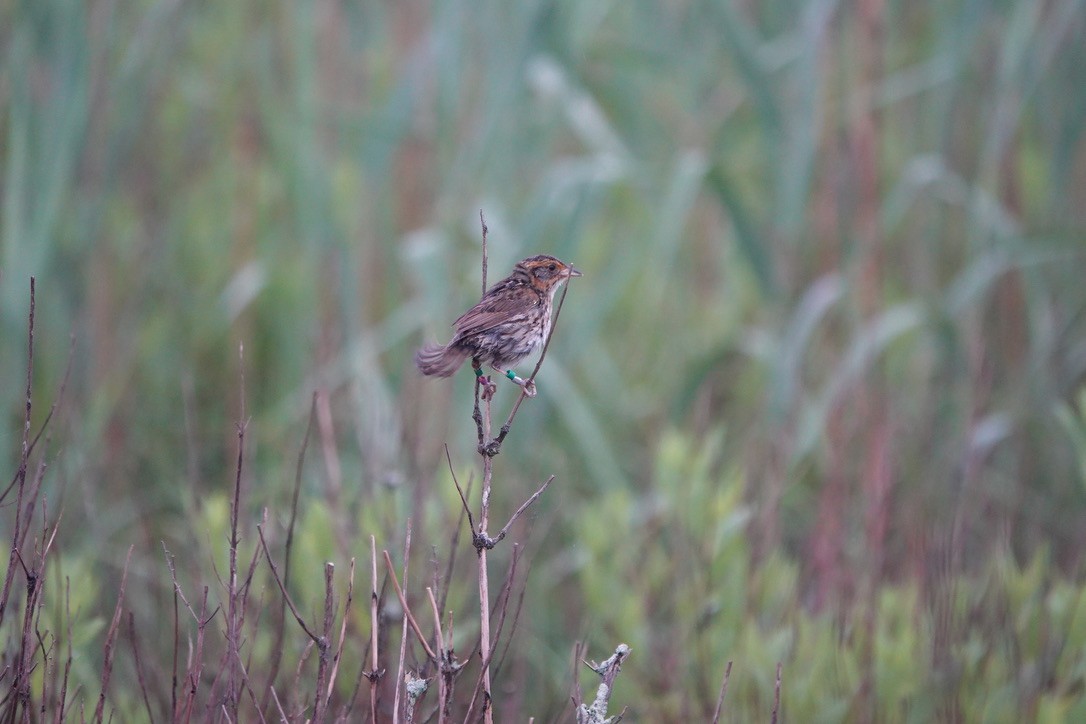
723 692
482 221
278 704
320 705
290 604
446 667
322 642
21 678
374 674
463 498
576 694
197 666
454 542
176 648
484 583
192 674
342 631
234 611
406 617
776 696
295 685
407 610
24 455
111 637
133 638
277 648
67 664
48 416
482 422
502 608
22 670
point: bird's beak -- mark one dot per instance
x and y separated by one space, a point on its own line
574 273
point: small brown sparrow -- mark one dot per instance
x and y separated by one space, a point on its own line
509 323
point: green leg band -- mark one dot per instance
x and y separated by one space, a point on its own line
478 372
511 374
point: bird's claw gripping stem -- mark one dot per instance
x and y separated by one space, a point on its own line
528 385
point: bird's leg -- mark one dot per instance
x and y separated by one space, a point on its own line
489 388
528 385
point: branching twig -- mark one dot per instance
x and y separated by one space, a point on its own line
520 511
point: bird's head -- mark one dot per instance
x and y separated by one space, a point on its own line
546 273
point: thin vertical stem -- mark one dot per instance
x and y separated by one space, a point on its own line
484 583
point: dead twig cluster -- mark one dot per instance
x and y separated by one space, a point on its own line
608 669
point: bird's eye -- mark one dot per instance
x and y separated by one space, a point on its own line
552 267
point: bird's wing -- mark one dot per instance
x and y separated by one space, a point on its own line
492 310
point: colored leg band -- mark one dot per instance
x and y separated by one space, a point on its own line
511 374
478 372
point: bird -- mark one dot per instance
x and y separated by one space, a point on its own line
509 323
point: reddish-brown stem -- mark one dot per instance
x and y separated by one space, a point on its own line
723 692
111 637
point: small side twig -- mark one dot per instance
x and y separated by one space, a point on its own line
407 610
321 643
463 498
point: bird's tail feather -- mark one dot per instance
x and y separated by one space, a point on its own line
440 361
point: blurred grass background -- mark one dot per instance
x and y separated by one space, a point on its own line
818 398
